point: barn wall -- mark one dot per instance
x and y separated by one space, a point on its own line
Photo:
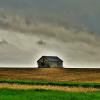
49 64
43 66
55 64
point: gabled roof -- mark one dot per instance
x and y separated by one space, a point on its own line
51 58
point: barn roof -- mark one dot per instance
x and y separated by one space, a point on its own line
51 58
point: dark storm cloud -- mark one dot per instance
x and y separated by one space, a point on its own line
79 12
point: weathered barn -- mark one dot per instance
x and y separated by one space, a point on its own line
49 62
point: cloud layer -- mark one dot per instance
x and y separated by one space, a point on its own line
61 28
76 48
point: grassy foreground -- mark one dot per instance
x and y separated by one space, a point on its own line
40 94
32 82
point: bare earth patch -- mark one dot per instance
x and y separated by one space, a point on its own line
47 87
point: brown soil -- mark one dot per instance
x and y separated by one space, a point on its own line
52 74
59 88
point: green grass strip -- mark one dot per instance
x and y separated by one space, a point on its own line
33 82
41 94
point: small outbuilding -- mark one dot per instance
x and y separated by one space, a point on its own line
49 62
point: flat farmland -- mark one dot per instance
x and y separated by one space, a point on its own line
51 74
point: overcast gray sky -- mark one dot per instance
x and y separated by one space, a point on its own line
66 28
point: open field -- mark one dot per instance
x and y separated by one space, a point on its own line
52 74
41 94
49 84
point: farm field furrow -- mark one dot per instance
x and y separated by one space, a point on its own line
52 74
